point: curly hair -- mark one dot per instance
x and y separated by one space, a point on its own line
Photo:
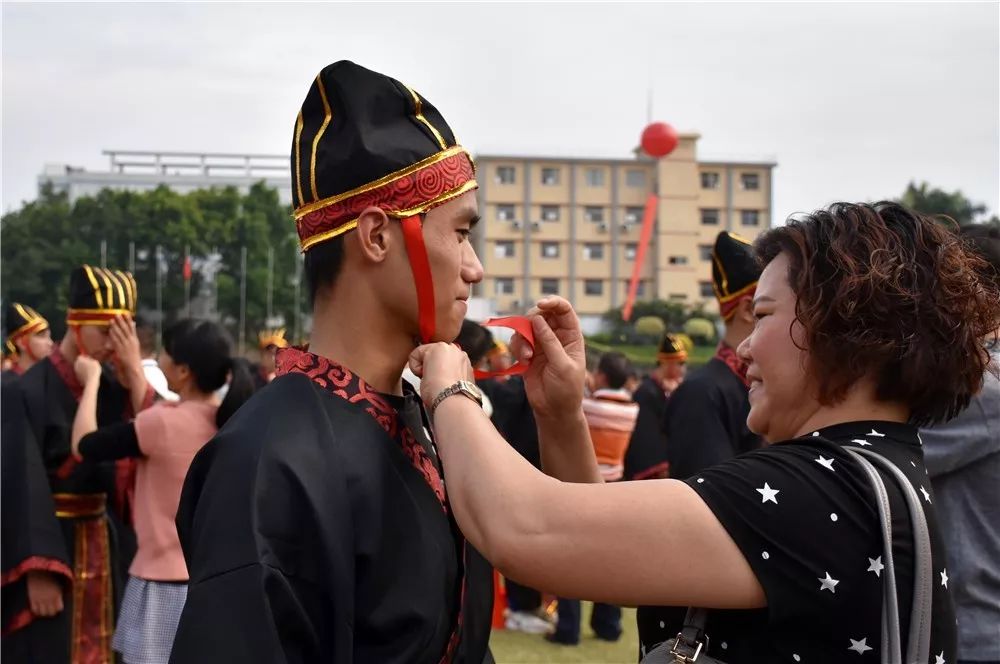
886 292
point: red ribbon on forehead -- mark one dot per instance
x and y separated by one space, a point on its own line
521 325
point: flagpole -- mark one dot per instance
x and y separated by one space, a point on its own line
270 283
187 279
159 297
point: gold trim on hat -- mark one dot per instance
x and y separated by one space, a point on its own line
732 296
326 121
34 322
118 286
298 158
418 113
375 184
93 283
351 225
128 288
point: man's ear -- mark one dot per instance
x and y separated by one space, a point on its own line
744 310
373 236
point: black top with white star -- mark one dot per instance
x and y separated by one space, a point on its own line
804 516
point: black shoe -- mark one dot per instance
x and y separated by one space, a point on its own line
608 637
562 640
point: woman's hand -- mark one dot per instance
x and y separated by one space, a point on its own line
439 366
45 592
557 366
125 342
87 369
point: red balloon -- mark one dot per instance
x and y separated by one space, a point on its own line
659 139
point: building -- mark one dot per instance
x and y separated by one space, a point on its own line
571 227
181 171
550 226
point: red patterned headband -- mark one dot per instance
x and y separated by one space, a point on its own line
411 191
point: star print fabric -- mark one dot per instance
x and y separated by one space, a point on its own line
804 516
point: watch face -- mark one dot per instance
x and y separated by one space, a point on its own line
472 389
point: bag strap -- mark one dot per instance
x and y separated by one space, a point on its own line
918 641
692 639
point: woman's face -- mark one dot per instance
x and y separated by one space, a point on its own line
782 396
176 374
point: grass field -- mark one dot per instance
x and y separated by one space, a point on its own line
520 648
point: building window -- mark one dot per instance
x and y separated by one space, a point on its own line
593 251
550 286
635 178
506 212
705 288
550 213
505 175
504 249
750 181
633 215
593 287
503 286
595 177
640 289
705 252
631 249
750 217
677 297
710 180
709 217
593 213
550 176
678 260
550 250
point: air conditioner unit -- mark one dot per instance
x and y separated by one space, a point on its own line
516 225
625 228
602 228
535 226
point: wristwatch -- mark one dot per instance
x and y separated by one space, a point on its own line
463 387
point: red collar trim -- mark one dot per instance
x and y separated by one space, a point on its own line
65 372
733 361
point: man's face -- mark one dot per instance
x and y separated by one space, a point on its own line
37 345
267 362
454 264
96 342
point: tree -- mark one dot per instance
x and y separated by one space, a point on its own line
954 205
44 239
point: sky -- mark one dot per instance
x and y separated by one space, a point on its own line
853 100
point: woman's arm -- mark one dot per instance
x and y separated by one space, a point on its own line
653 542
88 371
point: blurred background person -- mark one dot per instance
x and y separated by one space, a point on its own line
269 341
28 339
197 358
146 333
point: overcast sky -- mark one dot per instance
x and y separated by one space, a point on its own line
852 100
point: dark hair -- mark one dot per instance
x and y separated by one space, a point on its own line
616 368
985 240
146 334
475 340
887 292
206 349
322 265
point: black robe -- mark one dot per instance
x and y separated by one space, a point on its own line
314 527
646 456
43 417
705 423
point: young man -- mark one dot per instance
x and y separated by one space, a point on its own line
269 343
28 339
316 525
705 422
646 457
43 621
611 415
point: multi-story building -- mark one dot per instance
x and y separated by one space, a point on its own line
572 226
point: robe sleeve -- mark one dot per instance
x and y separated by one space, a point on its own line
695 430
267 537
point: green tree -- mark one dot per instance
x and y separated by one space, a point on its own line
954 205
45 238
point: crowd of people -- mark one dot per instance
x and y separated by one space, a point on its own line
348 500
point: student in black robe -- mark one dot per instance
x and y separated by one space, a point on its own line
90 500
316 526
28 340
646 457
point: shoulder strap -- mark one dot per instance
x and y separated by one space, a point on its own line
918 641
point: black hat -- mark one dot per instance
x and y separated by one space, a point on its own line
671 348
22 321
734 271
364 139
97 295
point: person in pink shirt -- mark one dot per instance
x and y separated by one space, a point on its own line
196 360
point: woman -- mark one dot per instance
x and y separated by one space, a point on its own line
196 360
869 323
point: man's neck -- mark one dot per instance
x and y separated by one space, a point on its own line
67 347
366 342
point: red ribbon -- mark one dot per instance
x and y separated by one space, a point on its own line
521 325
413 236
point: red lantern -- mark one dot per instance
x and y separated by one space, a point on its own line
659 139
